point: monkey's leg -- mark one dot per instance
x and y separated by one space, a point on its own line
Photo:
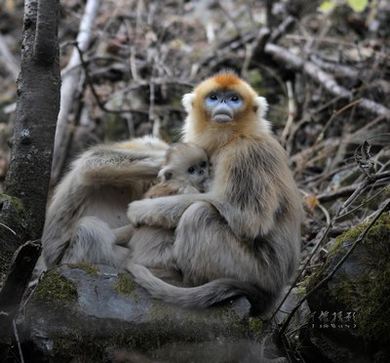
206 249
93 242
152 247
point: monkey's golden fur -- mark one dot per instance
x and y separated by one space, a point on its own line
243 235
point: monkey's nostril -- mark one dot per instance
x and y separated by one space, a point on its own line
201 172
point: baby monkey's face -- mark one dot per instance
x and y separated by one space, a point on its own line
187 164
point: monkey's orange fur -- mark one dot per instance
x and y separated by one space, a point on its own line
227 79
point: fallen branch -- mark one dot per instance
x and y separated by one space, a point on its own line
292 110
258 39
69 89
9 61
88 79
379 179
296 63
340 70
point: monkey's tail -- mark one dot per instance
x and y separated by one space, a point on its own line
202 296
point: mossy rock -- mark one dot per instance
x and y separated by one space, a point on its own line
87 311
87 267
367 289
361 286
125 285
55 288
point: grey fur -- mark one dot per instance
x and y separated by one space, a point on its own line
92 199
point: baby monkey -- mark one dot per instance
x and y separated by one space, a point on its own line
185 170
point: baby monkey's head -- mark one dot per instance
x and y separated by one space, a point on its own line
186 163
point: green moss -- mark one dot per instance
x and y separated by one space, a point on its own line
54 287
15 202
378 232
87 267
301 289
346 238
256 326
124 285
13 213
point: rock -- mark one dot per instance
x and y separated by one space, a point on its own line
88 313
351 312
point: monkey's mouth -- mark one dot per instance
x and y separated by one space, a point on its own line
222 117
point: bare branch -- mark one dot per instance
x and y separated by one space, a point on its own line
296 63
69 88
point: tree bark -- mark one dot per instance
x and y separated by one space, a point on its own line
27 181
38 90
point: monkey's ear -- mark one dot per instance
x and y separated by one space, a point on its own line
187 101
165 174
262 106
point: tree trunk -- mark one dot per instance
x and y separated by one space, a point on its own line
22 212
36 113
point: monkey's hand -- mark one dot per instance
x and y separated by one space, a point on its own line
161 212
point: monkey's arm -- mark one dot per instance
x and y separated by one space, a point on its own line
164 211
247 195
118 166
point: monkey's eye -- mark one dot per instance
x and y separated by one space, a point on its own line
168 175
191 170
234 98
213 97
203 164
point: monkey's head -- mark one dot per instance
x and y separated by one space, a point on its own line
225 101
186 164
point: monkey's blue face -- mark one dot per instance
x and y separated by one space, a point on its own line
223 105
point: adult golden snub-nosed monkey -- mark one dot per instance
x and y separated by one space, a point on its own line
241 237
